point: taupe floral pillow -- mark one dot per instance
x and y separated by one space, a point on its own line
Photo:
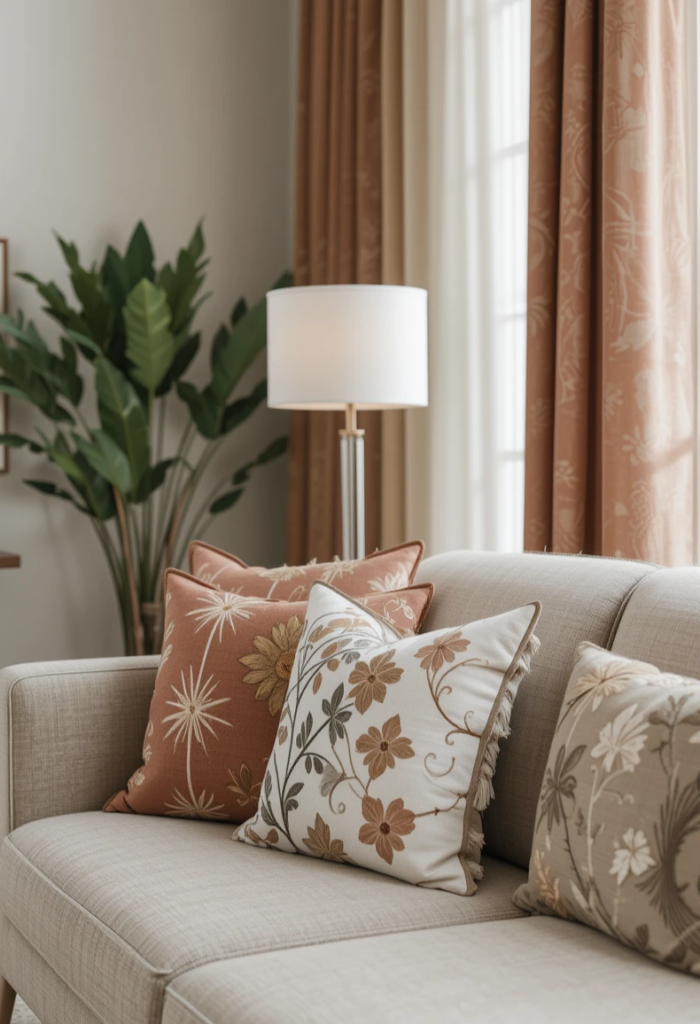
617 835
386 746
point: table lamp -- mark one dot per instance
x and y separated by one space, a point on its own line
348 347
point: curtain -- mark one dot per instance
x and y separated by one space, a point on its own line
610 372
465 127
338 241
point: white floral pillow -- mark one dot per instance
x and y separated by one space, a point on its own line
387 746
617 834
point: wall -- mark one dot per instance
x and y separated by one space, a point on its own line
111 111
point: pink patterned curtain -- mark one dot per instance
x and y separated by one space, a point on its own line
610 372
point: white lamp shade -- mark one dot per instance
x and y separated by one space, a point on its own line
329 346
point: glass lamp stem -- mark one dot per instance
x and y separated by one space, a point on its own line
352 473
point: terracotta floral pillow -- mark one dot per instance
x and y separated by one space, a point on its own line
387 745
220 687
384 570
617 836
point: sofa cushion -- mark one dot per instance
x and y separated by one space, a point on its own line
526 971
392 569
118 905
221 684
582 599
617 841
426 711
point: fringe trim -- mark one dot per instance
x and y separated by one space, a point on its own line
501 729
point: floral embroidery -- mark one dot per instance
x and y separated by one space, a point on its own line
271 667
246 790
442 649
618 762
337 784
382 747
319 842
385 828
621 740
222 609
633 855
369 682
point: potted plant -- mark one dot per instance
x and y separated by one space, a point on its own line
132 332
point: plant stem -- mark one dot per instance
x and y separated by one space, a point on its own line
131 578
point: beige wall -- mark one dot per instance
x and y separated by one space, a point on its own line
112 110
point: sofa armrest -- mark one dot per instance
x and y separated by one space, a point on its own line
71 734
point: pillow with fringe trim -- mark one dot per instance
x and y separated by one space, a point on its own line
387 746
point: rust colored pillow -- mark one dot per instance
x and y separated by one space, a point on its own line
393 569
219 691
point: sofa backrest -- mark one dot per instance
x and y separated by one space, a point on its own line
661 622
582 599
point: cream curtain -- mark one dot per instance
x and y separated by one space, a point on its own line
461 125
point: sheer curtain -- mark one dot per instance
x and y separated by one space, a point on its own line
465 150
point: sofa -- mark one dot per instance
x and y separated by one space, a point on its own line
122 919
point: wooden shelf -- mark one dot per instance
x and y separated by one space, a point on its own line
8 561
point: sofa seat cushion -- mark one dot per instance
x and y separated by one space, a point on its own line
118 905
528 971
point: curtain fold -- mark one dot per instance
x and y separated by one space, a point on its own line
610 373
393 523
337 241
465 164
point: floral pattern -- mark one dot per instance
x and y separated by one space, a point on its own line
271 665
221 684
387 744
381 572
610 385
617 836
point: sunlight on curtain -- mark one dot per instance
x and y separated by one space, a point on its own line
468 488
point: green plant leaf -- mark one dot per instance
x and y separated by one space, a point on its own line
152 479
240 477
123 417
86 345
106 458
196 243
183 358
34 374
239 311
46 487
239 411
8 388
138 260
273 451
17 441
204 409
70 252
150 346
96 313
225 502
246 340
232 357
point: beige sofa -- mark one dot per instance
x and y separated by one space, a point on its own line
132 920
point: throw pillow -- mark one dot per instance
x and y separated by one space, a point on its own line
220 686
387 746
384 570
617 835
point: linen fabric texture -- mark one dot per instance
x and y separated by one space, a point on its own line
387 745
146 899
220 687
393 569
617 839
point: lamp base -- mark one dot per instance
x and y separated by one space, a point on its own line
352 480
